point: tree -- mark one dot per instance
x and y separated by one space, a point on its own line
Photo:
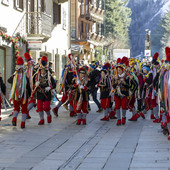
166 27
117 21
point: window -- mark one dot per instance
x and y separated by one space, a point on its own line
56 13
19 4
82 26
5 2
42 6
32 6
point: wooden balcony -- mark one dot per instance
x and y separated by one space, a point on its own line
35 24
92 13
92 38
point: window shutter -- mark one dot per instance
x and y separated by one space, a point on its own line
59 14
32 6
56 13
19 4
42 6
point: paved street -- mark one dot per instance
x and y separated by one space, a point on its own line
98 145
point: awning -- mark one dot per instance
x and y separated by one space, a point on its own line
76 49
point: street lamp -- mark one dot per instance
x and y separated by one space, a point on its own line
148 43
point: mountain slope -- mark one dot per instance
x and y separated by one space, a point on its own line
146 14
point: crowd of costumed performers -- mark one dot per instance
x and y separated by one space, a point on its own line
127 84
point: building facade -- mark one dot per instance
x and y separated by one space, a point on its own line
43 23
87 17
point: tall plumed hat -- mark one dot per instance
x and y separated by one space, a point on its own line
107 66
155 59
83 69
167 52
44 61
94 64
20 61
27 56
123 63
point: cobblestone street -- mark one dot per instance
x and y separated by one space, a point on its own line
98 145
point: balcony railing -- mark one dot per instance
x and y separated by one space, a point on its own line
93 38
91 12
35 24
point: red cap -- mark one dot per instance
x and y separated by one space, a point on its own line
44 60
118 60
124 60
108 65
20 61
27 56
156 55
168 57
167 50
127 63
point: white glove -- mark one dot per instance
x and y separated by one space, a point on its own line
47 88
130 93
37 83
81 87
78 82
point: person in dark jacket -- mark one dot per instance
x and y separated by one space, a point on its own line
2 91
154 93
132 97
147 89
44 83
20 92
105 94
140 87
94 77
67 88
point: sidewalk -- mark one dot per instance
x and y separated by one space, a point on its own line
98 145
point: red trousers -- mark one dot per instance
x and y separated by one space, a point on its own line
153 103
150 103
168 118
0 104
121 102
131 102
66 96
105 103
43 106
18 104
32 100
83 107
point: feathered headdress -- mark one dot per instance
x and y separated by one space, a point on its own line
167 52
20 61
83 69
155 59
106 66
94 64
123 63
27 56
44 61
